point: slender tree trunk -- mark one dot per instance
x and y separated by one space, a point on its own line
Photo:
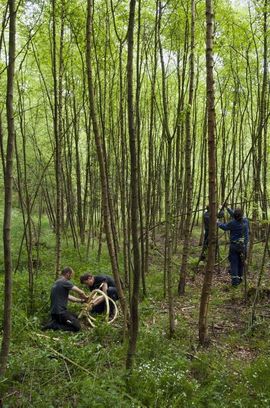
168 170
260 276
24 194
57 119
188 178
134 184
150 158
8 191
76 127
2 151
101 159
263 111
205 295
179 147
168 239
138 131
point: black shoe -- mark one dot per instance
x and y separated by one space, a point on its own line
52 325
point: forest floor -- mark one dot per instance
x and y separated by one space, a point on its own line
87 369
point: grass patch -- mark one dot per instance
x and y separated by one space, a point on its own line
87 369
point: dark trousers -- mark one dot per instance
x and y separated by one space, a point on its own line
237 264
66 321
205 246
205 239
101 307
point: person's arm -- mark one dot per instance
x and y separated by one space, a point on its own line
230 211
75 300
80 292
104 287
224 227
98 300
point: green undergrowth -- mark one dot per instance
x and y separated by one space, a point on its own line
87 369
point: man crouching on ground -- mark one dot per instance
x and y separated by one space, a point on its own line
104 283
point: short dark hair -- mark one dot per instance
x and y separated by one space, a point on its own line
238 214
85 277
66 270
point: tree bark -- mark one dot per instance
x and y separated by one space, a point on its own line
188 178
8 191
57 125
101 159
134 184
205 295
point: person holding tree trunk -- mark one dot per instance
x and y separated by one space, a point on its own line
239 237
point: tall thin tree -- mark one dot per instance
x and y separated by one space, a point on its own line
211 120
101 159
134 321
8 190
188 175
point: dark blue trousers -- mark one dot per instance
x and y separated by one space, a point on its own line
205 238
237 265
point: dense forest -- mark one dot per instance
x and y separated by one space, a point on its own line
121 124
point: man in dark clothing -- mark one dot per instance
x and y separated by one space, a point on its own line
206 219
239 236
104 283
62 319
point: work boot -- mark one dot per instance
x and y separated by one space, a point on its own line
52 325
235 280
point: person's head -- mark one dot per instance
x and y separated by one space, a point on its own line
87 279
67 272
207 208
238 214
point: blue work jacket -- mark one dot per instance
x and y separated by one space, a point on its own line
239 230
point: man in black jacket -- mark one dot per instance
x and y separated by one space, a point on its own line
104 283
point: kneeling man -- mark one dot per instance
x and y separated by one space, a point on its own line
62 319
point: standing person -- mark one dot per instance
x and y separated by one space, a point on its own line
206 220
239 236
106 284
62 319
